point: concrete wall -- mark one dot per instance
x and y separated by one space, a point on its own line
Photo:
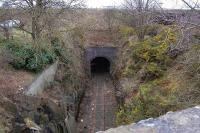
71 124
42 81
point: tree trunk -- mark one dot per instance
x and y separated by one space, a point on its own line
36 13
33 28
141 22
6 33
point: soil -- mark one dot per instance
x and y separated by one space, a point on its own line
12 81
99 38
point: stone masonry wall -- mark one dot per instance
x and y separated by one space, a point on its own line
186 121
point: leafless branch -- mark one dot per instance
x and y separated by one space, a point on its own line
38 10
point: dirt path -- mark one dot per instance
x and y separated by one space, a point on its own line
98 106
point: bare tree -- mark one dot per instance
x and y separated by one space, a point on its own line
4 16
189 23
39 9
192 4
140 12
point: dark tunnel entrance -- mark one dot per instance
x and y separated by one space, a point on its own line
100 65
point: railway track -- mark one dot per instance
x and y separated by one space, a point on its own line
98 106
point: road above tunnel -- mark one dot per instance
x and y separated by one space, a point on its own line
98 106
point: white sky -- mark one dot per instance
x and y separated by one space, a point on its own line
170 4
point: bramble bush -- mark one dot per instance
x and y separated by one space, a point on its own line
25 56
192 61
190 91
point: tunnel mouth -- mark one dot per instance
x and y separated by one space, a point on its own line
100 65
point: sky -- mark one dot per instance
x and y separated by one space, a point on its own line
169 4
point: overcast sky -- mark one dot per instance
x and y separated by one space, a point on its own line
169 4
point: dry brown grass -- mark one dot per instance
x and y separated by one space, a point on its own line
11 80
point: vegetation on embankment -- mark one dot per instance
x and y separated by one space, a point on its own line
25 56
166 79
61 100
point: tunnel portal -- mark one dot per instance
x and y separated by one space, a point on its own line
100 59
100 65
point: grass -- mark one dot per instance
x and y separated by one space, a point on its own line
21 35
